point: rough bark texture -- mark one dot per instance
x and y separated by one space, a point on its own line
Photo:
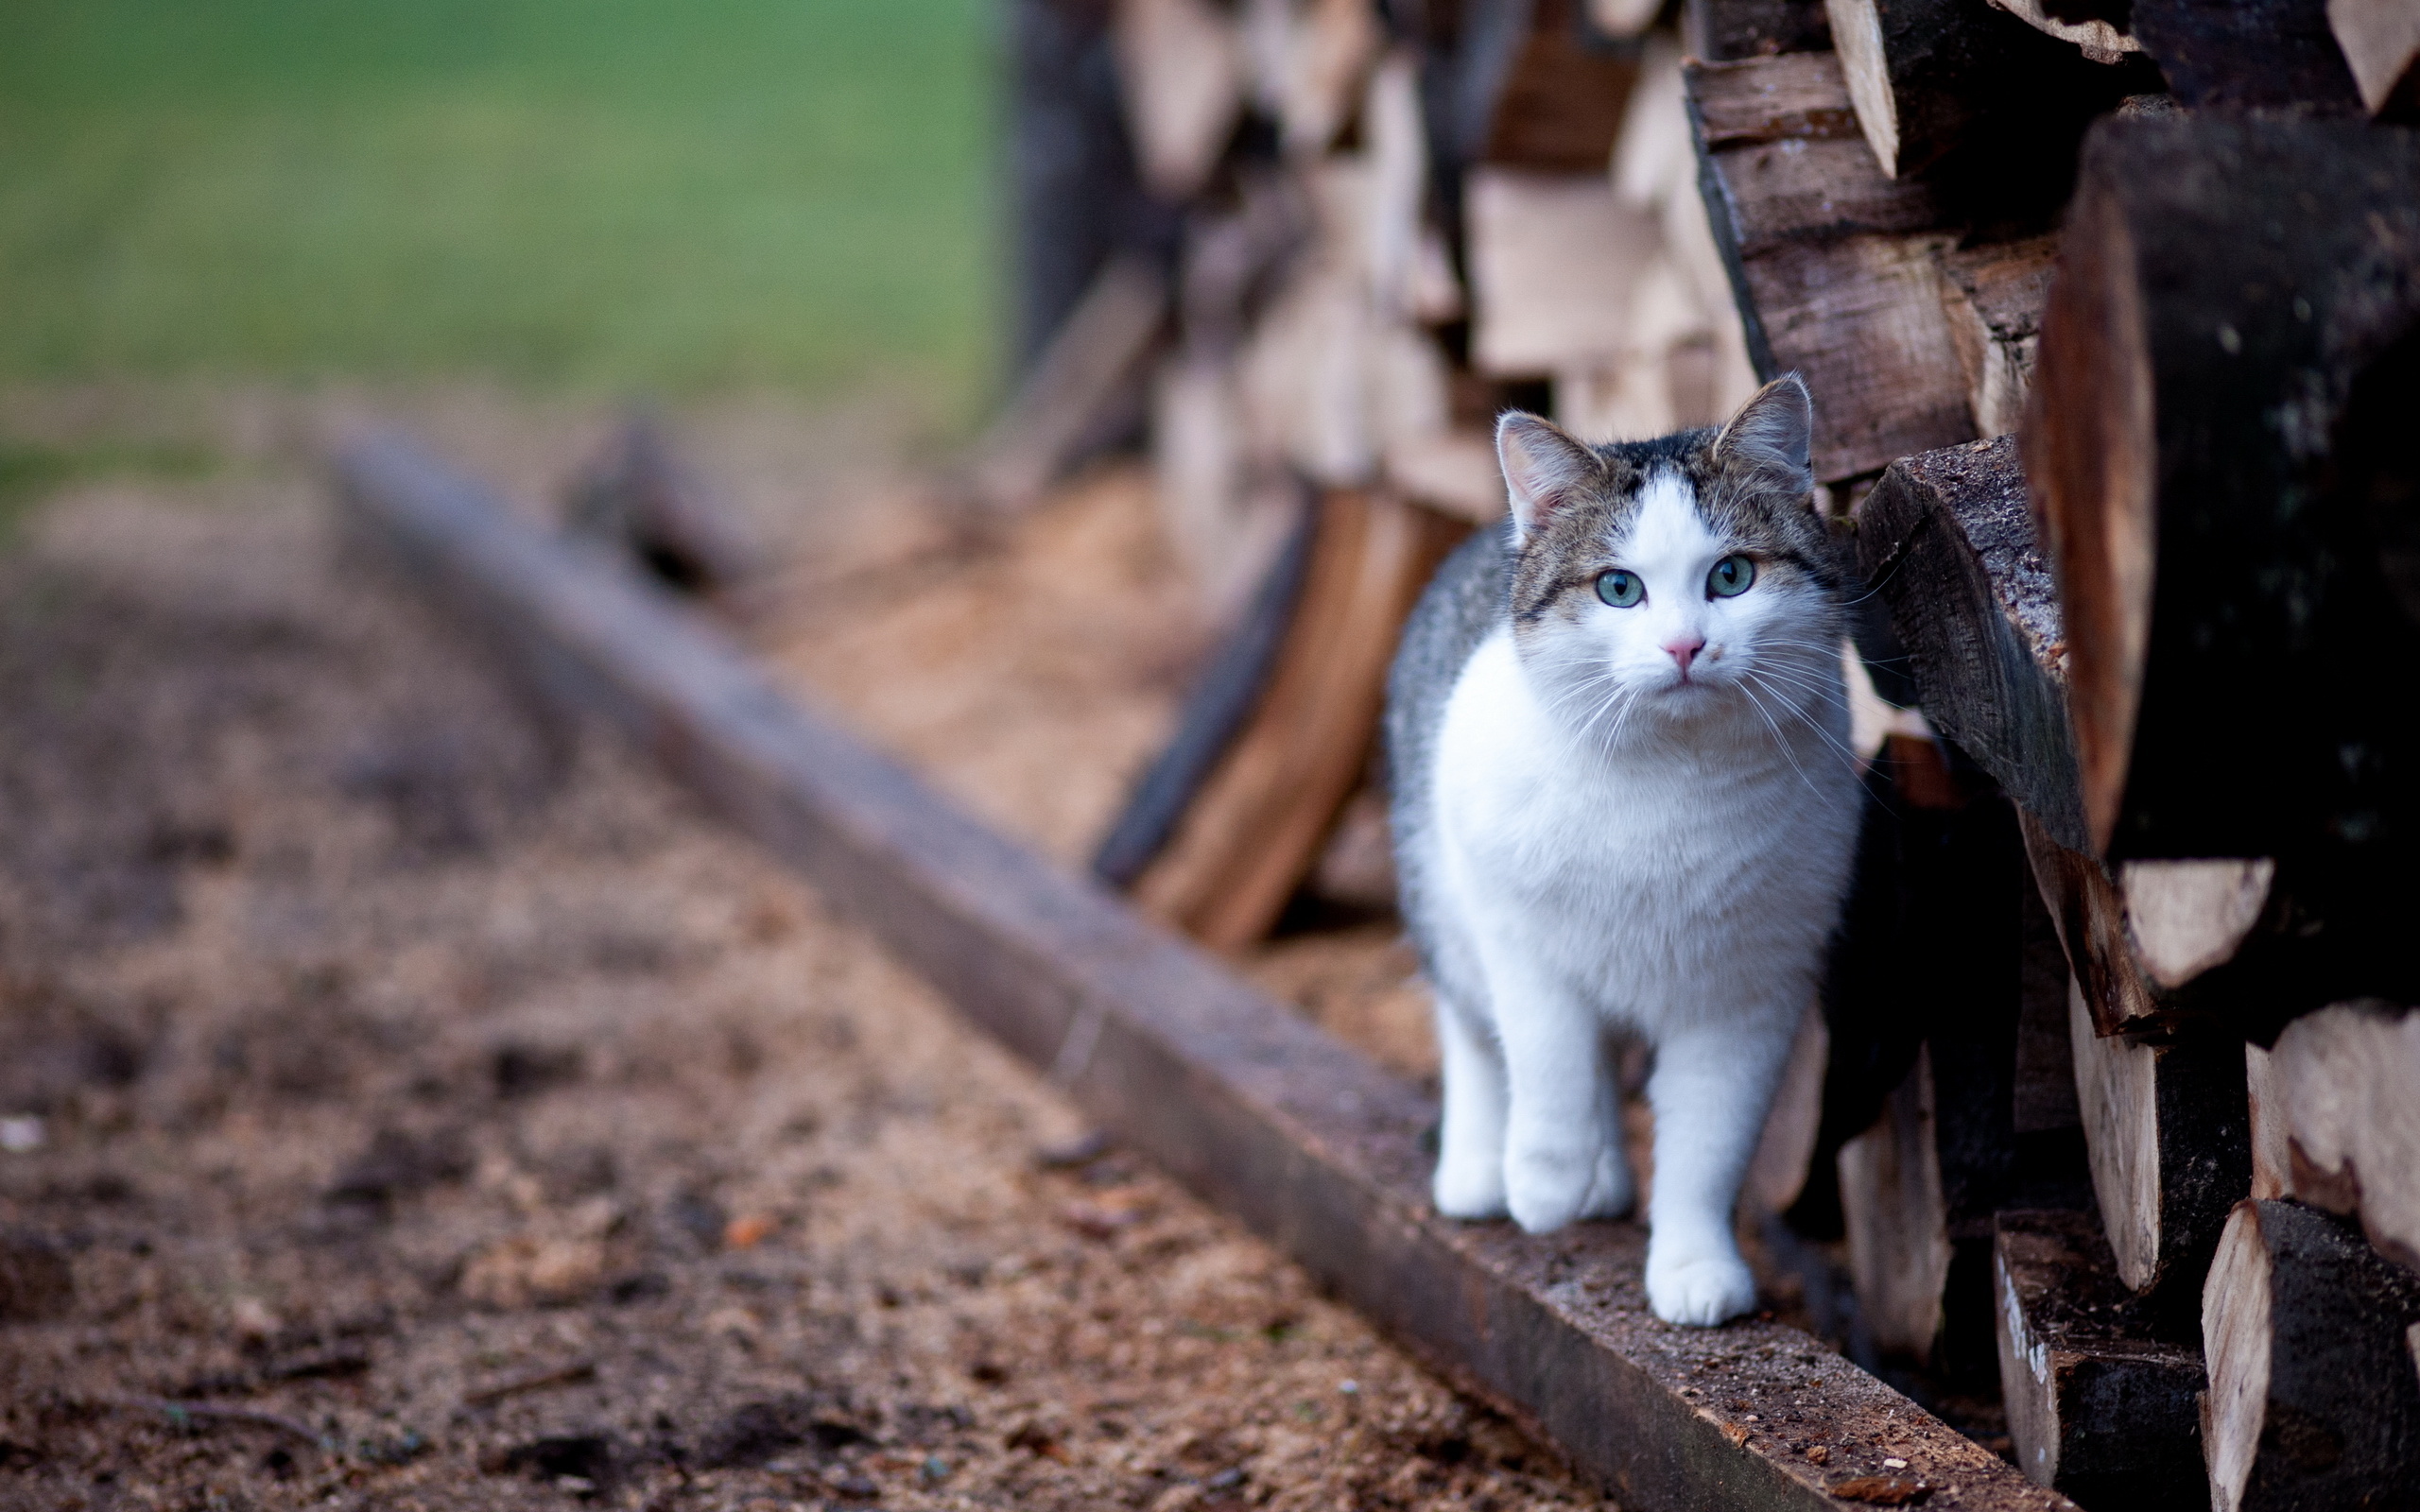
1242 1099
2170 1132
2233 336
2237 55
2099 1406
2312 1398
1721 31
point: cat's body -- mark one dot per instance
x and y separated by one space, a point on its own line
1626 818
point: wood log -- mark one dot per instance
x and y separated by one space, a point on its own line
1255 829
1558 104
2235 301
1831 262
2241 54
1723 31
1237 1097
2382 43
1223 698
1898 1221
2312 1398
1091 368
1306 59
2102 38
2044 1100
2100 1405
1992 296
2273 1166
2348 1082
1553 261
2169 1133
1179 67
1932 76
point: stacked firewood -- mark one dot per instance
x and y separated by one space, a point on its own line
2111 312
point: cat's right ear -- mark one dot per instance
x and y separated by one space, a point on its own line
1542 466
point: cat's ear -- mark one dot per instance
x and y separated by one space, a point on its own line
1768 436
1542 466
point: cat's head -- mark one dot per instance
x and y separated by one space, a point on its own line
1672 579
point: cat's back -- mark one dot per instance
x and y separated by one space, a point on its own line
1463 605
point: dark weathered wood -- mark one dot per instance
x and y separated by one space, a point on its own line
1723 31
1218 707
1830 261
2236 302
2312 1398
1993 296
2237 55
2382 43
2170 1129
638 496
2100 1405
2345 1085
1238 1096
1947 539
1559 104
1933 77
37 1284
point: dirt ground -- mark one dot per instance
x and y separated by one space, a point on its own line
404 1104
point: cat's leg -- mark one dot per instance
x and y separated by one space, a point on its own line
1711 1090
1614 1192
1470 1141
1556 1128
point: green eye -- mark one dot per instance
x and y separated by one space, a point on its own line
1621 589
1730 577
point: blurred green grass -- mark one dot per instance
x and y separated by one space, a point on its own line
574 194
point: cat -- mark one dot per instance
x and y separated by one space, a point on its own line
1624 803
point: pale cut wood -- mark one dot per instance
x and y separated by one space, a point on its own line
2273 1174
2184 917
1255 826
1092 365
2312 1398
2348 1079
2381 43
2099 1404
1897 1219
1553 259
2097 39
1623 18
1992 296
1237 1097
1454 472
2169 1134
1181 70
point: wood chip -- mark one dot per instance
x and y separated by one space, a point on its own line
1882 1490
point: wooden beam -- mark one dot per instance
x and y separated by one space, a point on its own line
2312 1399
1239 1097
2215 275
2100 1405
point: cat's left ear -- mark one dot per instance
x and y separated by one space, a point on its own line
1542 466
1769 436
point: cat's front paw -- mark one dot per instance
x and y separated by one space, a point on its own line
1471 1187
1701 1286
1612 1193
1547 1189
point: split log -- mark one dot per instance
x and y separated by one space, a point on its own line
2236 302
2273 1165
1553 258
2169 1132
2242 55
2348 1082
1931 77
1216 709
1179 69
1255 829
2382 43
2097 30
1831 262
2312 1398
1306 61
1091 368
1992 296
1897 1220
1723 31
1558 104
2100 1405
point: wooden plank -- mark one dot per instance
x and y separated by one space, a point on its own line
2312 1398
2100 1405
1239 1097
1253 831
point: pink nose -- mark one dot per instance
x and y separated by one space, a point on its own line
1685 652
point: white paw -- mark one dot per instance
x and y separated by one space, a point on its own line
1469 1186
1611 1195
1702 1285
1548 1188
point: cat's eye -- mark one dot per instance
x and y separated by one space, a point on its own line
1730 577
1621 589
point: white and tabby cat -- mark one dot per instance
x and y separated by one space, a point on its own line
1625 803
